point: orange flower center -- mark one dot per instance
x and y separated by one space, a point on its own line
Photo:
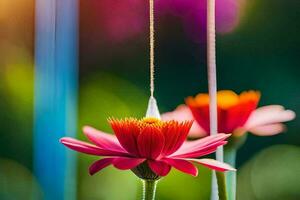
227 99
152 121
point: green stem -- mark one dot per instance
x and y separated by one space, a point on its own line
221 186
230 158
149 189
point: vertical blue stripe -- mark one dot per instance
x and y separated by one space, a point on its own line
55 96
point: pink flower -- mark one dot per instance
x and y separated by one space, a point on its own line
149 145
120 20
237 114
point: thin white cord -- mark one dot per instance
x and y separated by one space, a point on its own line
212 85
211 59
152 110
151 10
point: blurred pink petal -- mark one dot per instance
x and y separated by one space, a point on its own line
268 130
269 115
214 164
183 113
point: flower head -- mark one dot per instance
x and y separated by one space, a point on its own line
236 114
149 147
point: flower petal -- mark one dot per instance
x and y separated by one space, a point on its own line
268 130
125 163
127 132
201 152
233 109
214 164
100 164
182 165
87 148
159 167
175 134
269 115
197 131
201 144
102 139
201 115
150 142
237 116
80 146
183 113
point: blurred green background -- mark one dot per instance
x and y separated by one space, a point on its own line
261 53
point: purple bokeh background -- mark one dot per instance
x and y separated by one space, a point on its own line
121 20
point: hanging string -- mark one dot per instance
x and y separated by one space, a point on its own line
152 110
151 28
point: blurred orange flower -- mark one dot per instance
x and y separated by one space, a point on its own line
237 114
